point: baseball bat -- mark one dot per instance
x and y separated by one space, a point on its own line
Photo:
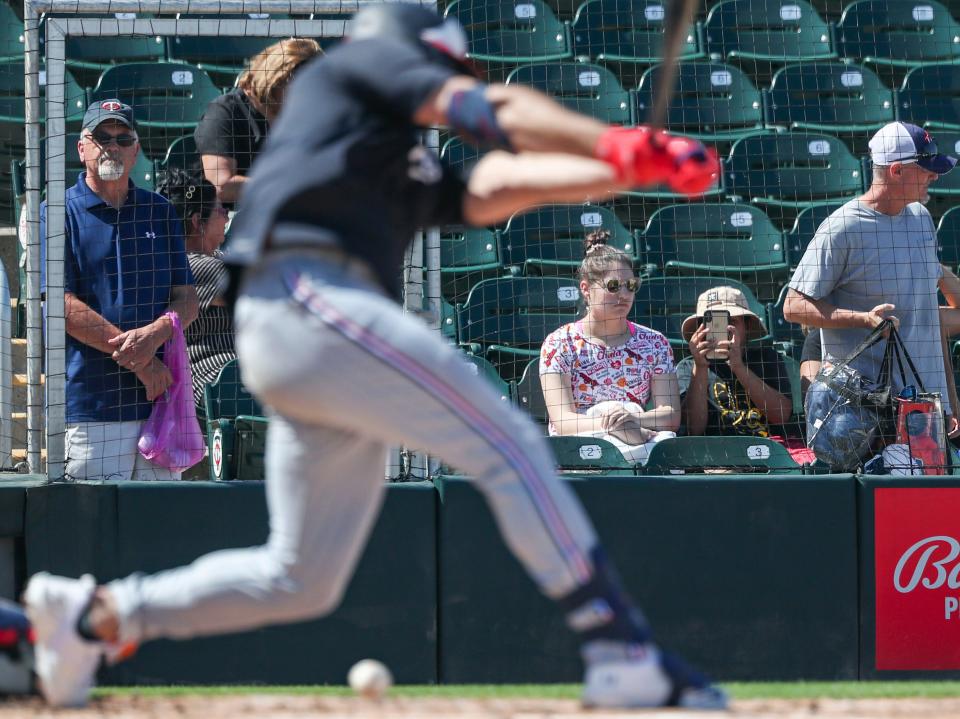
678 20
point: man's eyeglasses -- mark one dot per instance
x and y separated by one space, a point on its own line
105 139
613 285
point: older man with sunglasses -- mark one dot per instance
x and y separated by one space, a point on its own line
124 267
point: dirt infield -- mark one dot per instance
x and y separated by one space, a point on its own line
302 707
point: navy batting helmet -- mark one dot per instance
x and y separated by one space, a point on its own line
444 38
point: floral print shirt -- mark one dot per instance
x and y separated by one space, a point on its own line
598 373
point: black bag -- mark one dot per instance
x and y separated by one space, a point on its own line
847 412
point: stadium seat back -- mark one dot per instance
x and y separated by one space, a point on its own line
626 31
466 258
589 89
549 241
794 169
182 153
712 100
724 238
948 239
727 454
11 36
227 398
511 31
830 97
588 455
898 32
483 369
777 31
930 97
530 393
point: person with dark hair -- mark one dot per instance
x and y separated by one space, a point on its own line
234 126
603 375
210 336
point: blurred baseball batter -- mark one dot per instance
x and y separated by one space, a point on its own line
332 202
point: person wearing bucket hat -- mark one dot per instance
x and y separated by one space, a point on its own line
731 386
873 258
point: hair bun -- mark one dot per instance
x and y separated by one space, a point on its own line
595 240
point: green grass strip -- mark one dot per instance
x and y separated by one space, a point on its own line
739 690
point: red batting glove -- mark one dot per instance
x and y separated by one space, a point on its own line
642 157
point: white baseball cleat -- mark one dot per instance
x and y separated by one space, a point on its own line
65 662
655 679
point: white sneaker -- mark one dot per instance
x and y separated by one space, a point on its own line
65 662
653 679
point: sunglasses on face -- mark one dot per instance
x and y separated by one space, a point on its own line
105 139
613 285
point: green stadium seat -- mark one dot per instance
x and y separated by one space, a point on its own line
508 318
168 98
589 89
181 153
768 31
530 393
221 56
588 455
12 97
947 186
663 303
229 409
792 170
804 228
448 320
466 258
712 101
948 239
788 336
930 97
251 448
549 240
88 57
11 35
511 31
829 97
626 33
727 454
792 365
726 240
895 35
482 368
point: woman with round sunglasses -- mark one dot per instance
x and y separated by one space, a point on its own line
603 375
210 339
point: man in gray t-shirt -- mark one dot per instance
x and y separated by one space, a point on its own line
876 257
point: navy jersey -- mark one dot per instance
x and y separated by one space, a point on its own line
342 165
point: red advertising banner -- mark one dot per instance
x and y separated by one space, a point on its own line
917 541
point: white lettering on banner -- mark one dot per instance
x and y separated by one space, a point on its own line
654 13
591 451
590 78
182 77
951 605
525 11
591 219
930 547
790 12
721 78
568 294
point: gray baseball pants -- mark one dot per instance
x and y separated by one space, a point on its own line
347 374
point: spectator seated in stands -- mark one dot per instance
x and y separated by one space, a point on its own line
604 376
233 128
210 337
729 385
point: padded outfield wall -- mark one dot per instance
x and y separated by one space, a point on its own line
756 577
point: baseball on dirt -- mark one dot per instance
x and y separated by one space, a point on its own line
370 678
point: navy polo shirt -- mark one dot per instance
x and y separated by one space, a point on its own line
122 263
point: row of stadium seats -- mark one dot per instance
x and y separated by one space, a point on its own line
889 34
718 102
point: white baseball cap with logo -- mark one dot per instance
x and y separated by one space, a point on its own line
906 143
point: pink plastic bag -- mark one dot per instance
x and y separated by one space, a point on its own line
171 437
